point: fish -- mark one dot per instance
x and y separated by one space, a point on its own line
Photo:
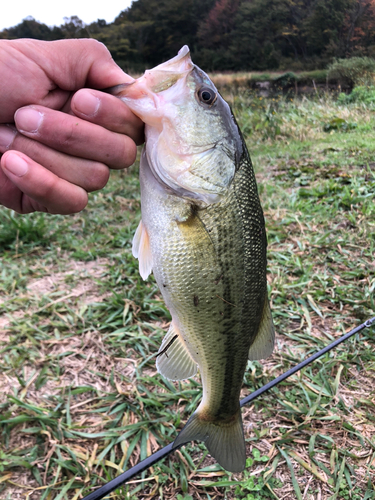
202 234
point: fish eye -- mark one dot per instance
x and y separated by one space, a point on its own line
207 95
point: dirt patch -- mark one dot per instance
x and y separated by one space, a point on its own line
79 274
78 280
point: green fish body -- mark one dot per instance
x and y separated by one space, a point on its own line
203 235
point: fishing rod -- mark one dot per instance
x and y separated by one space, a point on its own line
155 457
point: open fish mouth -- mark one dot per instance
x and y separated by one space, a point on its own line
165 75
158 79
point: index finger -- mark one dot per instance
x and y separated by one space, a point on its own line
109 112
76 137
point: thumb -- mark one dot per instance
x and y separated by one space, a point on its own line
75 63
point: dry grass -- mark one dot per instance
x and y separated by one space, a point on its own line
80 398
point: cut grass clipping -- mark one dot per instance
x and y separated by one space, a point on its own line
80 398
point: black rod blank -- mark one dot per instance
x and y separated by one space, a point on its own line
155 457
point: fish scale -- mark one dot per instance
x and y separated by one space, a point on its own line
202 234
243 284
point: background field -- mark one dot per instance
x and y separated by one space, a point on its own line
80 398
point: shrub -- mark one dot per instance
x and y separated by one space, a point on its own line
286 80
354 71
338 124
358 94
318 76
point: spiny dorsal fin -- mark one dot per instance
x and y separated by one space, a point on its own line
175 363
262 346
142 251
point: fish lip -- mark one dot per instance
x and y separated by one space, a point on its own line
173 64
167 74
118 89
156 80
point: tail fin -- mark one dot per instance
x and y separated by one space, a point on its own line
224 441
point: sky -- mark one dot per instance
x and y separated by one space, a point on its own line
53 13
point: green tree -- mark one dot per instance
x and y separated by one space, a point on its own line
324 27
225 34
118 40
74 27
157 29
257 41
30 28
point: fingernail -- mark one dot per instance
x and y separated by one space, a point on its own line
7 136
28 120
16 165
86 103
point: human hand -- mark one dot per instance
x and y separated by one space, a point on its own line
58 144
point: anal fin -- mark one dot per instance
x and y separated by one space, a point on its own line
262 346
174 361
142 251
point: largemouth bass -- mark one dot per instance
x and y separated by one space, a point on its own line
202 234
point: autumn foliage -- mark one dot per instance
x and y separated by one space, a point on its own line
227 34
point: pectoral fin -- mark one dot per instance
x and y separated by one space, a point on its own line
262 346
142 251
174 361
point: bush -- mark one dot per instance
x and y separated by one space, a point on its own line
318 76
354 71
358 94
285 80
338 124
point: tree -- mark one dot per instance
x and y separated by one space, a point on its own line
257 41
30 28
216 29
157 29
359 28
225 34
324 27
73 27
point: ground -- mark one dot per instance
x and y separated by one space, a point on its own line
80 397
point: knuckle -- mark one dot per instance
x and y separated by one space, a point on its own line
96 45
79 203
129 153
68 134
99 177
92 46
47 189
59 131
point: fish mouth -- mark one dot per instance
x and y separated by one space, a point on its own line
167 74
178 63
156 80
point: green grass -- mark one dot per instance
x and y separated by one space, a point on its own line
80 398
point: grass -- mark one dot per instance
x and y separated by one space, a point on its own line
80 398
277 80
